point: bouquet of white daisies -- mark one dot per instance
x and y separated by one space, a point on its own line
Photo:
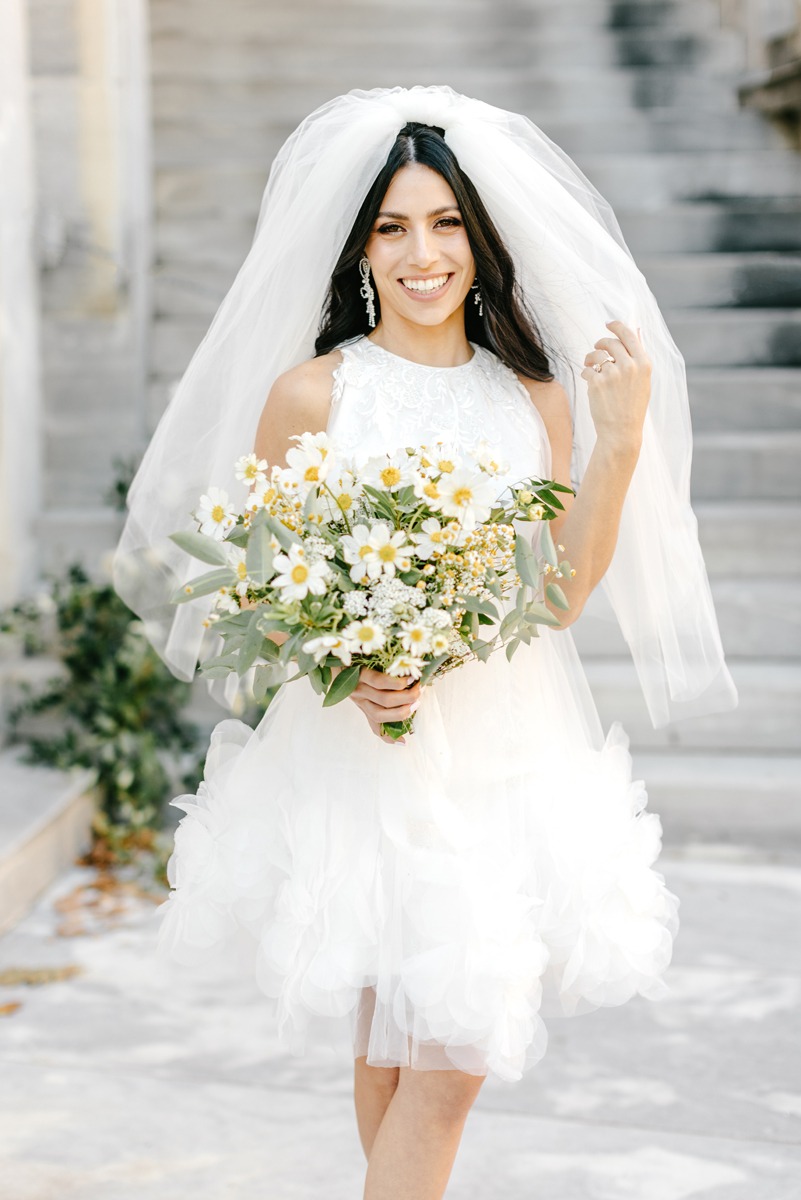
402 564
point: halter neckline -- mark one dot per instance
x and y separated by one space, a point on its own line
409 362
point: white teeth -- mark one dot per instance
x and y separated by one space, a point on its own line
425 285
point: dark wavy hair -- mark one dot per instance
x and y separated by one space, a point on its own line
507 328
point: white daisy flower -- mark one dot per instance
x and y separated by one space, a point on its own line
415 637
320 647
468 495
215 513
236 557
310 458
365 636
439 642
298 577
445 458
224 602
390 551
489 460
406 664
356 549
389 472
431 540
342 495
251 470
427 489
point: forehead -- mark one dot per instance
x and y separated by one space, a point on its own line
416 189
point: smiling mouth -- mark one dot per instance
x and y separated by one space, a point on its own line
426 287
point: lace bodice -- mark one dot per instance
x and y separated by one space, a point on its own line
381 401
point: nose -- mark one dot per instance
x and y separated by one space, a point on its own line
422 250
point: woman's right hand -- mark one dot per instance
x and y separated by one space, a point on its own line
385 698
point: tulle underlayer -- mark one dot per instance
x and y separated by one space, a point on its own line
439 897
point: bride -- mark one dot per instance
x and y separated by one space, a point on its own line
427 268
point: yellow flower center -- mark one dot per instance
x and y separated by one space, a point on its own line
416 635
366 634
432 491
390 476
388 552
344 501
268 496
299 573
242 570
436 536
462 496
365 551
217 513
312 474
446 466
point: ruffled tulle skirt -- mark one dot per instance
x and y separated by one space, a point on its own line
436 899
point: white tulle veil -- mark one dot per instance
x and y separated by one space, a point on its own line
576 273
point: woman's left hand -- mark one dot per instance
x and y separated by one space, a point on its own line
618 375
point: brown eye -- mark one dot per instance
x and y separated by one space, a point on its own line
389 228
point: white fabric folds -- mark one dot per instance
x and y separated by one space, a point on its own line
576 272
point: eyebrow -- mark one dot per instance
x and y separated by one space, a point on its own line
437 212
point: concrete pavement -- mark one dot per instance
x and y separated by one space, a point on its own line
117 1083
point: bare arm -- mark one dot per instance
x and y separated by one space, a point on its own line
619 396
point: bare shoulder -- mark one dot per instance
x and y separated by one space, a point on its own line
299 400
306 388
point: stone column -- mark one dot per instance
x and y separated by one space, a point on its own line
20 392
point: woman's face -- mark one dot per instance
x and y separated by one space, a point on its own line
419 254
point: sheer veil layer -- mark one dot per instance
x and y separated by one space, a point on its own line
576 273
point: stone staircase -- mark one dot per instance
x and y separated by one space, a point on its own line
643 95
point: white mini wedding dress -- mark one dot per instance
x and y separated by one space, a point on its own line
442 896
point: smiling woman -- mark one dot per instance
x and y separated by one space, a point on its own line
440 894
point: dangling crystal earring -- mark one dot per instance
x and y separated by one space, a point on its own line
478 299
366 290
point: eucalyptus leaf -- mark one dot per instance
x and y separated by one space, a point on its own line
316 680
474 604
203 585
341 687
508 623
259 556
556 596
265 677
547 546
526 562
202 546
511 647
251 645
538 614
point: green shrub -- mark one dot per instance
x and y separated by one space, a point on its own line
115 707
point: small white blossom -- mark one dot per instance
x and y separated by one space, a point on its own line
388 472
297 576
431 540
365 635
355 603
406 664
215 513
468 495
415 637
320 647
251 470
310 458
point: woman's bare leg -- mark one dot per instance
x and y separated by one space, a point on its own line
414 1149
373 1088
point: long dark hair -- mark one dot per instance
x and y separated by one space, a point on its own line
506 328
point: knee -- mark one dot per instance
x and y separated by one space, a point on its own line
443 1097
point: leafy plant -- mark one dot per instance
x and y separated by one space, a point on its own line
115 707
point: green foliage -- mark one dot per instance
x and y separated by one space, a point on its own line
115 707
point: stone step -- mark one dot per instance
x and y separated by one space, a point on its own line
736 225
758 618
737 337
750 537
45 822
233 190
752 464
261 50
746 280
320 16
740 799
767 719
744 398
